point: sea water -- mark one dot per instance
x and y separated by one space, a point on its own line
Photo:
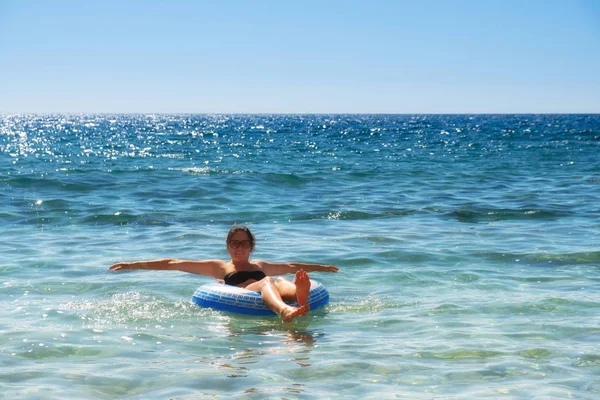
468 248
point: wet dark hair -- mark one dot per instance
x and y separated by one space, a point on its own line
241 228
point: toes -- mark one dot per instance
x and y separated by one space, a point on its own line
301 274
289 314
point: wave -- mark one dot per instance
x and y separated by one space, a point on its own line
462 215
494 215
585 257
196 206
64 182
131 307
125 219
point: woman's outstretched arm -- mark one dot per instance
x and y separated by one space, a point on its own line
214 268
270 268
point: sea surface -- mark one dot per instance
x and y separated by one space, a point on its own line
468 248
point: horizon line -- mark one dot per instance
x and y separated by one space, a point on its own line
3 113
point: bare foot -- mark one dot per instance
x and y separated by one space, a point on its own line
289 313
302 283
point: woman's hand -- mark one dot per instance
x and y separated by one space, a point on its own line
126 265
329 268
314 267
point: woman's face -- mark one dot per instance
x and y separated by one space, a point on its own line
239 246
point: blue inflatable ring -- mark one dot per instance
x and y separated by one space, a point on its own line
242 301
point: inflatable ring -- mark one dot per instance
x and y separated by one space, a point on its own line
242 301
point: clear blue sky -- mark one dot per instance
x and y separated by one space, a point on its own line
368 56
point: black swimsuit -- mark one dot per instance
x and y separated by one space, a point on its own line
236 277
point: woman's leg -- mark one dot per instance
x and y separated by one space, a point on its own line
286 289
297 290
272 299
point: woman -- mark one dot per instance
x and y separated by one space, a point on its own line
253 275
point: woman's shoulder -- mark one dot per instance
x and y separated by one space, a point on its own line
258 263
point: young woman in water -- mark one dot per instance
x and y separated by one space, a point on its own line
255 275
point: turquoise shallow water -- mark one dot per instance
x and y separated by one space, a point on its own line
467 247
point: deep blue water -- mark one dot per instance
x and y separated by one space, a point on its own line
468 248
